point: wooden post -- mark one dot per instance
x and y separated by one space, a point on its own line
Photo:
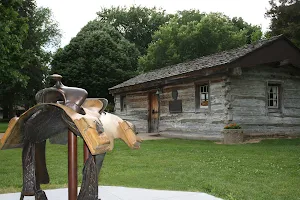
72 166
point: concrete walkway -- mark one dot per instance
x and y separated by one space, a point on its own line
122 193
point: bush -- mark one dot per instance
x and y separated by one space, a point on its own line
232 126
4 120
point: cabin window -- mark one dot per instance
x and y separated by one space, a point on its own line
123 103
273 95
202 96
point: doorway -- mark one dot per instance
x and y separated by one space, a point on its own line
153 112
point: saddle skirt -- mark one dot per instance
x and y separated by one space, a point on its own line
50 120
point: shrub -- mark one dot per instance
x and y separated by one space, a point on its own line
232 126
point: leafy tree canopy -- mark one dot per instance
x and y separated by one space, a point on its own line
191 34
43 34
25 32
13 31
285 19
136 24
98 58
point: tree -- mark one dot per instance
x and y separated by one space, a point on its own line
285 19
186 16
23 63
43 34
136 24
252 33
181 40
13 32
98 58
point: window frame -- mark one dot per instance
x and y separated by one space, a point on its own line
273 100
279 85
206 93
198 107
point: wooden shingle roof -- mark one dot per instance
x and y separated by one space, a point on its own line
213 60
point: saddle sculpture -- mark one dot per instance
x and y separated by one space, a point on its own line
59 109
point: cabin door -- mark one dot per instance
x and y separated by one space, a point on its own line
153 113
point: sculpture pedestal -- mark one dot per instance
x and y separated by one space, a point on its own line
72 166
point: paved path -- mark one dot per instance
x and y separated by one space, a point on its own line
122 193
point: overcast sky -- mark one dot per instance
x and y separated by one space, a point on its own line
72 15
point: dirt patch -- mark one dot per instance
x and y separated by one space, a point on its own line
250 141
156 135
257 140
150 136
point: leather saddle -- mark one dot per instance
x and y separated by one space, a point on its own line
59 109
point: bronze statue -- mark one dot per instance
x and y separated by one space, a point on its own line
61 109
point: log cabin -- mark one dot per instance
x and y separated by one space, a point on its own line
256 86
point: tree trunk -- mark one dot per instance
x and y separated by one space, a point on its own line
8 107
11 111
5 112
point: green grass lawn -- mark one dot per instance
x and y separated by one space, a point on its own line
267 170
3 127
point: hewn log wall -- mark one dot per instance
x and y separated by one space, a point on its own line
206 123
248 100
136 110
240 97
